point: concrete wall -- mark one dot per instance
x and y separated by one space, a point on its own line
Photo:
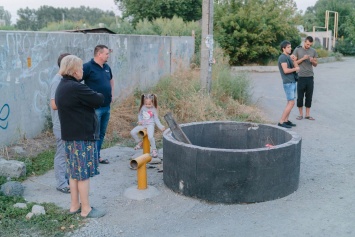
28 61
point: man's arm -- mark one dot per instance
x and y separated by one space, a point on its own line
287 70
294 59
299 61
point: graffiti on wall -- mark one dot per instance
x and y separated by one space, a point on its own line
4 115
25 54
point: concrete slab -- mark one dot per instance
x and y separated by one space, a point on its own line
138 194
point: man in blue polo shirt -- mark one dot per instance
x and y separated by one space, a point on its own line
98 76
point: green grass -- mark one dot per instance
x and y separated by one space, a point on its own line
13 220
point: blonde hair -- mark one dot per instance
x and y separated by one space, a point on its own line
70 64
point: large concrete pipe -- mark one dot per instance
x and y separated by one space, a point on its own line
233 162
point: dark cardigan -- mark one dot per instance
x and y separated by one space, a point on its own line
76 104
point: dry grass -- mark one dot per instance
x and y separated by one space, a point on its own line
30 147
180 94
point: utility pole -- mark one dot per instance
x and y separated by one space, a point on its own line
206 46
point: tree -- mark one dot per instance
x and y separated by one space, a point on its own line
310 19
188 10
250 31
346 45
31 19
6 16
47 14
88 15
27 19
349 27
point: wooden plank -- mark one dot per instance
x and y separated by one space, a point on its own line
175 128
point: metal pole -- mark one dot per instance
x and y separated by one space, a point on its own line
206 46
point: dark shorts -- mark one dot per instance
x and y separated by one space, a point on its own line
82 159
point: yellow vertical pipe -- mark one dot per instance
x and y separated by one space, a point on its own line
146 144
142 177
139 163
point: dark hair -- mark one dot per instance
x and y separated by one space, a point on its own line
309 38
98 48
153 97
284 44
61 57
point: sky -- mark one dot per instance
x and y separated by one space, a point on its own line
303 4
13 5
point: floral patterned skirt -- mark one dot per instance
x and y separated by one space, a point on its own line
82 159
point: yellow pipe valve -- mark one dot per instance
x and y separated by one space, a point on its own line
139 164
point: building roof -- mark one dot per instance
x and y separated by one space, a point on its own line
93 30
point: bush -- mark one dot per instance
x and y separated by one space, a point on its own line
322 53
338 56
345 47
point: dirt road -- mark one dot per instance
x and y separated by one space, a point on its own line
322 205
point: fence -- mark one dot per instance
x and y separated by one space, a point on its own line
28 62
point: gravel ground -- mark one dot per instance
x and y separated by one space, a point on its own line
322 205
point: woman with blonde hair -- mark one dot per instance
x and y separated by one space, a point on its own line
76 104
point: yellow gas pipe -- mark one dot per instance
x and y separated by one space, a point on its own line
139 163
146 144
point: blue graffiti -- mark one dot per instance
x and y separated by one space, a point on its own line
5 106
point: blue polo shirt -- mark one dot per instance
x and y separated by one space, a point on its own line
98 79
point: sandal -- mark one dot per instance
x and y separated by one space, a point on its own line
138 146
95 213
75 212
64 190
105 161
309 118
154 153
299 117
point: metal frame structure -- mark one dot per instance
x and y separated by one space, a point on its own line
335 33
